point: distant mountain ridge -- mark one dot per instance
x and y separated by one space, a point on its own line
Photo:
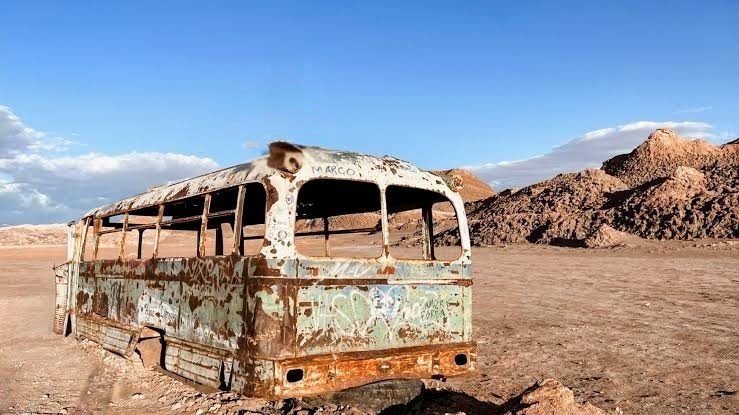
32 235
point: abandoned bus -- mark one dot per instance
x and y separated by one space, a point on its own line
305 271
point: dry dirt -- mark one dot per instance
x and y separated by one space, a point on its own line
643 328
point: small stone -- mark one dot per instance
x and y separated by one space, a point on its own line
162 398
200 411
214 407
176 406
137 395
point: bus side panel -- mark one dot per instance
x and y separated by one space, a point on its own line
211 302
197 303
194 299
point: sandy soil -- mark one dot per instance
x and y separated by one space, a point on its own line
649 329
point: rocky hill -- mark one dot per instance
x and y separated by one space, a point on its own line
564 207
659 155
473 188
666 188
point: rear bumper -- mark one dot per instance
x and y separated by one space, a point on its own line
293 377
325 373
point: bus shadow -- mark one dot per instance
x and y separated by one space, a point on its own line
440 402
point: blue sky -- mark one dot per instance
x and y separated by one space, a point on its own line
441 84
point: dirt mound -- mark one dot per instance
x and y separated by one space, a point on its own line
549 397
565 192
667 188
680 206
351 221
683 184
33 235
682 189
561 210
473 188
661 153
723 173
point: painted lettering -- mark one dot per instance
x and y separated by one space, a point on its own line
334 170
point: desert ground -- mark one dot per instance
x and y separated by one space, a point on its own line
643 328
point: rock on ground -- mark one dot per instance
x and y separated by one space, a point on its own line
548 397
605 237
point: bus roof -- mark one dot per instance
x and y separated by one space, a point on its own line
307 162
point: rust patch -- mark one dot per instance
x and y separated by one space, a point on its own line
261 267
272 195
387 270
100 303
82 297
194 302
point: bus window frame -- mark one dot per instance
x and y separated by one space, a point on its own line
237 246
426 229
326 233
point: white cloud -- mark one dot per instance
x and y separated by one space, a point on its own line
56 144
36 187
587 150
694 110
20 204
15 137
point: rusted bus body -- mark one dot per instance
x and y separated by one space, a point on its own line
280 323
